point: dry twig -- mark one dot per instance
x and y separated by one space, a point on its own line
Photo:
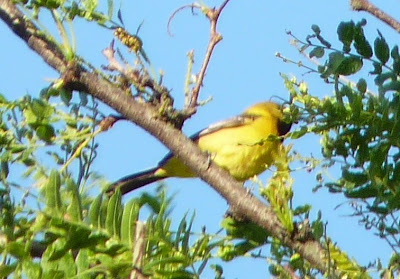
213 15
215 38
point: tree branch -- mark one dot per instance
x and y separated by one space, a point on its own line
365 5
242 203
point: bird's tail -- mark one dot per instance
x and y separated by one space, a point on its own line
135 181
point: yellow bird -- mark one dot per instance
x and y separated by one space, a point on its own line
240 145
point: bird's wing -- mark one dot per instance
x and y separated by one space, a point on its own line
233 122
236 121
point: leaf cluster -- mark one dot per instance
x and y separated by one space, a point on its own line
358 128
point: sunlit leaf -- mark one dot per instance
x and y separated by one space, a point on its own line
45 132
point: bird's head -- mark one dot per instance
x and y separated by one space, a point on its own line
273 110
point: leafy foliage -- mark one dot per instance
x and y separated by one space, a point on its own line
78 235
75 234
358 128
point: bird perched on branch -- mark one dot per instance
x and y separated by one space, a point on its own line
244 145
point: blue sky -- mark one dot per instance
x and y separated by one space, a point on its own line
243 71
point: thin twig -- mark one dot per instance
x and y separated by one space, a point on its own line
343 79
366 6
213 16
192 6
139 78
188 79
78 151
215 38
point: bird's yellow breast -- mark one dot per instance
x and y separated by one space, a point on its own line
243 150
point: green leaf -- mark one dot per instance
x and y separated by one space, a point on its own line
358 178
151 201
321 69
95 212
323 41
317 52
396 66
379 209
274 270
52 191
74 209
345 33
364 192
296 261
317 229
186 236
3 99
335 60
166 260
45 132
350 65
59 259
244 230
360 42
218 271
381 49
83 263
114 213
17 148
41 109
391 230
202 248
381 78
78 237
32 269
16 249
128 223
334 187
302 209
377 68
180 231
348 268
316 29
66 96
52 92
4 170
391 86
395 179
394 53
110 8
362 85
299 133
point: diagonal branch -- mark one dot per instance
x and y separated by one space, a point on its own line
144 115
365 5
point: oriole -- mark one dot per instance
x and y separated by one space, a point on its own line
240 145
